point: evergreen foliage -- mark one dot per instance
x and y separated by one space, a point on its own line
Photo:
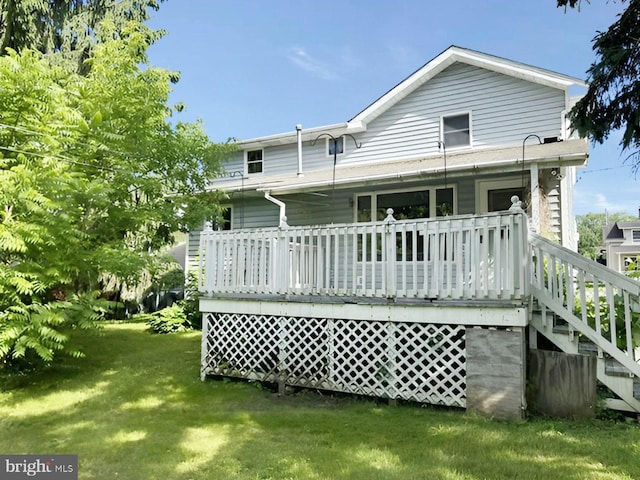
94 178
65 30
612 100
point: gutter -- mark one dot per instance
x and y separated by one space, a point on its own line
574 159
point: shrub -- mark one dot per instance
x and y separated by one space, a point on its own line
168 320
191 302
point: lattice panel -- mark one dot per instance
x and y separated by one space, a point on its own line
420 362
306 359
244 346
431 363
361 360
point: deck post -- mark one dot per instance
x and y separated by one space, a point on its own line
282 262
389 259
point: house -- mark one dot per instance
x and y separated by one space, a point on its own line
622 244
416 251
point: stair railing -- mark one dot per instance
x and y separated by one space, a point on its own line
601 304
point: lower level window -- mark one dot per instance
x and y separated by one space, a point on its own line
500 199
407 205
434 202
223 221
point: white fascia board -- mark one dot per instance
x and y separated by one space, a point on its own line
509 315
308 134
498 166
518 70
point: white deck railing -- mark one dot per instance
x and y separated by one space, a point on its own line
597 302
462 257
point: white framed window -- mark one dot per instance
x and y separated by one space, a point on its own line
635 236
335 146
495 195
433 201
455 130
225 220
254 161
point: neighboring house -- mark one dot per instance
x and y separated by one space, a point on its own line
622 244
379 256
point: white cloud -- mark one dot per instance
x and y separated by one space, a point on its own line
596 202
306 62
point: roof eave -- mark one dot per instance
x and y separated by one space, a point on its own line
308 134
456 54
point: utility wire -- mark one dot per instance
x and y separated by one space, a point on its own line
58 157
599 170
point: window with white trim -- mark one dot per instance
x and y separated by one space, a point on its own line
456 130
254 161
635 235
406 204
223 221
335 146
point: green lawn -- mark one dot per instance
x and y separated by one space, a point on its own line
135 408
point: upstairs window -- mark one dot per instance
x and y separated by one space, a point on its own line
254 161
456 130
335 147
635 235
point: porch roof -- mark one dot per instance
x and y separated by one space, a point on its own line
507 159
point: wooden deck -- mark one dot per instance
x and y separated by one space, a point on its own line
414 309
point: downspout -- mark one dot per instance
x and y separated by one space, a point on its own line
283 209
535 197
299 135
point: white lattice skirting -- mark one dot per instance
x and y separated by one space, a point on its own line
410 361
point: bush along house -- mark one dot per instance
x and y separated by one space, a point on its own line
423 250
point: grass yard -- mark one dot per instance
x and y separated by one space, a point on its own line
135 408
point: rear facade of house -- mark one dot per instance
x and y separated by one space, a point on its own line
398 254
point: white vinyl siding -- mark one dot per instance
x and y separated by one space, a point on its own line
504 111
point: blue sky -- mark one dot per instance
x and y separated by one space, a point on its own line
251 68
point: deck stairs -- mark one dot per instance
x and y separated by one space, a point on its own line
585 308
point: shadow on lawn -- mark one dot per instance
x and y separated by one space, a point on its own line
135 408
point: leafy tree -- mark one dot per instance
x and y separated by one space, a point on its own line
94 177
612 100
65 29
590 228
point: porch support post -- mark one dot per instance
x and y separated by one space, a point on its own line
390 254
283 266
535 199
